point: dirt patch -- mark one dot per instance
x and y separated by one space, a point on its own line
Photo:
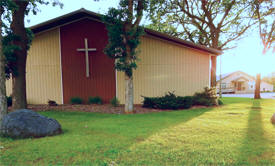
105 108
256 108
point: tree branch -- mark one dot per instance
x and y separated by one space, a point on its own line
226 14
140 8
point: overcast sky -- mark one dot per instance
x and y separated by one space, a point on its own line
246 57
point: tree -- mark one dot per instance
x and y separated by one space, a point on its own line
124 31
23 41
213 23
264 14
3 97
19 79
6 5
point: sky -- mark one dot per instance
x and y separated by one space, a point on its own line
247 56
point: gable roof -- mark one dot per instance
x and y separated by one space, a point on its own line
83 13
239 78
224 76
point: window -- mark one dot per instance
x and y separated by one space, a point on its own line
223 85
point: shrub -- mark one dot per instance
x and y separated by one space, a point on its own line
9 101
187 102
114 102
76 100
168 101
171 101
203 102
220 102
95 100
150 102
206 98
52 103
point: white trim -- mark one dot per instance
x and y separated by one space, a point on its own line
116 84
209 70
61 73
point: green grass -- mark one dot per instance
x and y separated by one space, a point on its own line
238 133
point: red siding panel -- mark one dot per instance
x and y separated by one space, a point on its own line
102 73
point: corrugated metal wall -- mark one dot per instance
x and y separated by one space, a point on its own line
165 66
102 73
43 69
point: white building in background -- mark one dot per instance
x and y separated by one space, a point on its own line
240 82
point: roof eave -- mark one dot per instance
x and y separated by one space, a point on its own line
62 20
58 21
213 51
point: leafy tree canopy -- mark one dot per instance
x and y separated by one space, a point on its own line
9 37
265 15
213 23
124 33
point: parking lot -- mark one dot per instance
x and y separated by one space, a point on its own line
263 95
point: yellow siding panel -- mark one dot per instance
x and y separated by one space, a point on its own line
166 66
43 69
8 87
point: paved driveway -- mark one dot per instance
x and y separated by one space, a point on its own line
263 95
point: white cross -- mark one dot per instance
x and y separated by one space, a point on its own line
86 50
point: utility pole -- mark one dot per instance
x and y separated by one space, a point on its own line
220 91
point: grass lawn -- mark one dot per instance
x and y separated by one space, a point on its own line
238 133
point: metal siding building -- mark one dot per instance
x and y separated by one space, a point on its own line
56 70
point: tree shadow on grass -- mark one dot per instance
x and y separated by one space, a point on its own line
97 138
255 148
162 120
155 130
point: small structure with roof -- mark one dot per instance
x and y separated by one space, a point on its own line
241 82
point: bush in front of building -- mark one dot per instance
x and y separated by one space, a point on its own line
220 102
95 100
76 100
188 102
114 102
9 101
208 97
168 101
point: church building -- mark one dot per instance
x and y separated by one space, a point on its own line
66 60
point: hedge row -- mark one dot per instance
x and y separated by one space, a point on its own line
171 101
94 100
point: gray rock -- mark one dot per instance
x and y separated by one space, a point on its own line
273 119
26 123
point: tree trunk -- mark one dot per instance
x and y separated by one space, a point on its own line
129 90
129 95
19 99
3 97
257 94
213 70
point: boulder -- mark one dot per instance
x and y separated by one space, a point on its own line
26 124
273 119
